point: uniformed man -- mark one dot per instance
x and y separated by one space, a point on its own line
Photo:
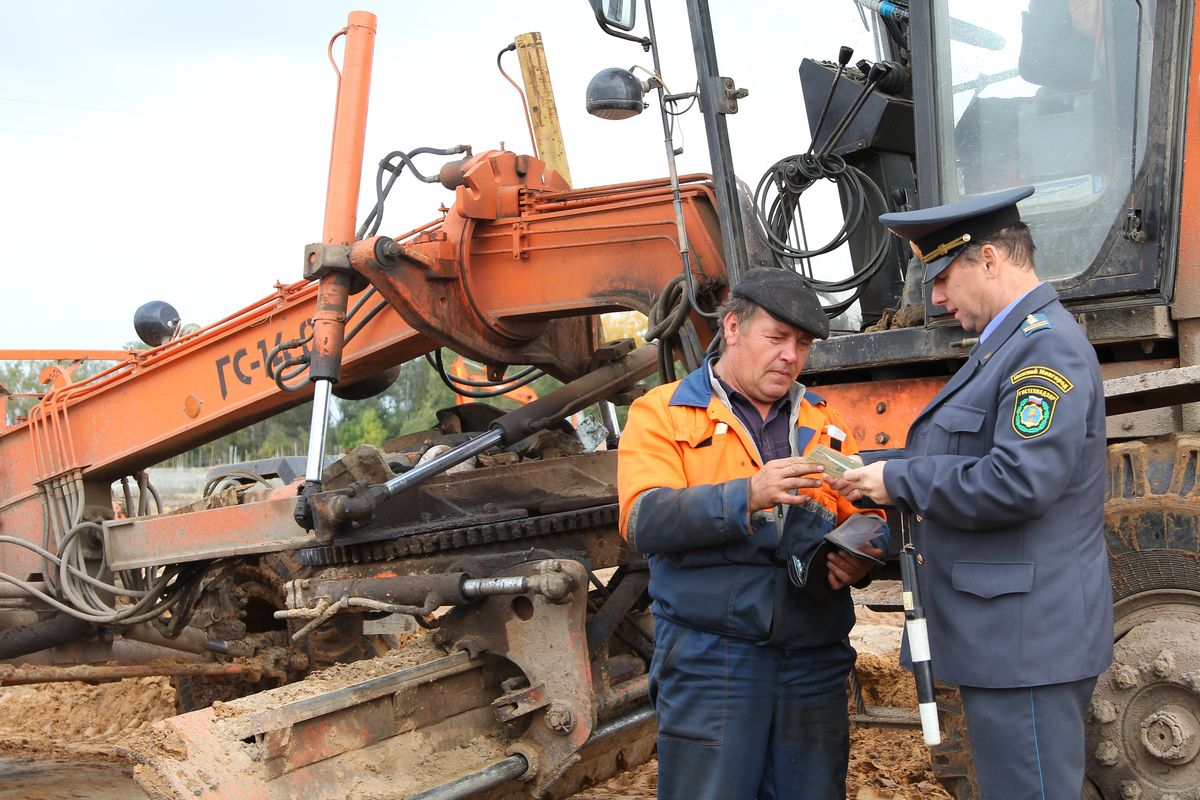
749 669
1003 476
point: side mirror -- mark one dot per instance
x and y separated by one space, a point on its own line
619 14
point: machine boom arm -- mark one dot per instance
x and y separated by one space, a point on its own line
510 275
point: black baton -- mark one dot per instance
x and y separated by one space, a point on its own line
918 646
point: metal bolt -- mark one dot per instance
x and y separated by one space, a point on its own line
1103 711
559 719
1107 753
880 408
1164 664
882 438
1125 677
1130 790
1171 734
1126 426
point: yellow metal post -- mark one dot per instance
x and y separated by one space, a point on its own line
542 110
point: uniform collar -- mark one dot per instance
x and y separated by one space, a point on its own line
1041 296
999 318
1009 319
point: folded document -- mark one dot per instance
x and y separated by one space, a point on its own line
835 463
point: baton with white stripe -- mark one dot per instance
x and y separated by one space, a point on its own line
918 646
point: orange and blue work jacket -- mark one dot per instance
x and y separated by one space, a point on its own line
683 479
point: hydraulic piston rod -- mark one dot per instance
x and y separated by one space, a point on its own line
341 203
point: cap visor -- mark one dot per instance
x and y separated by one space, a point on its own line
935 268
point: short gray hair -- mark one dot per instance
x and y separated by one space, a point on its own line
741 308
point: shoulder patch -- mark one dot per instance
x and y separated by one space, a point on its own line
1045 373
1034 323
1033 411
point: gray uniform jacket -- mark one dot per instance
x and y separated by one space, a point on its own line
1004 476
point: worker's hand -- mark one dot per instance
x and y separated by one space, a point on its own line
846 570
864 482
778 481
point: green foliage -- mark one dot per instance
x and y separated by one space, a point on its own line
21 377
363 428
410 404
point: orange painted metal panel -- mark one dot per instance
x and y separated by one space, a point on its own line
65 354
880 413
1186 303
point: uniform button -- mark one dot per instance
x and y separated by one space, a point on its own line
919 518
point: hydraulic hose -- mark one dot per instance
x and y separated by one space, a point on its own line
25 639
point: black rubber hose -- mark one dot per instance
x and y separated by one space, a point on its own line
25 639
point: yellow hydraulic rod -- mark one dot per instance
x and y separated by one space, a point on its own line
542 110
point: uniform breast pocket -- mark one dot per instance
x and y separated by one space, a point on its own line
711 457
959 430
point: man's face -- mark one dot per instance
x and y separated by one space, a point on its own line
763 356
963 288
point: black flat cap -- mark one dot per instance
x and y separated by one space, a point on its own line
786 296
942 231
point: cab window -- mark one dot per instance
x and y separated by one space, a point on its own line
1051 93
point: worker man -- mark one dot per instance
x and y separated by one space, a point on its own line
1003 478
749 669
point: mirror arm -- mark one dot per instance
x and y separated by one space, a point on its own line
644 41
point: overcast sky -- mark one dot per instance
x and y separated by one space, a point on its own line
178 151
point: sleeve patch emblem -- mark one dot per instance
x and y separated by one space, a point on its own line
1034 411
1051 376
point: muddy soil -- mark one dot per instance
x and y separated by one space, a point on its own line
57 740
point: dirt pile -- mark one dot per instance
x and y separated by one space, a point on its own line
78 721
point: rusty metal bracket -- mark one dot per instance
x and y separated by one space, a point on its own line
548 643
519 702
323 259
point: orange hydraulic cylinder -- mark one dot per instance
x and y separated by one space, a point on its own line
341 195
349 129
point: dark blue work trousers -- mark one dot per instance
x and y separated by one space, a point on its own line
739 721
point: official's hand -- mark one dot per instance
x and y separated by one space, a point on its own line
846 570
778 481
864 482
